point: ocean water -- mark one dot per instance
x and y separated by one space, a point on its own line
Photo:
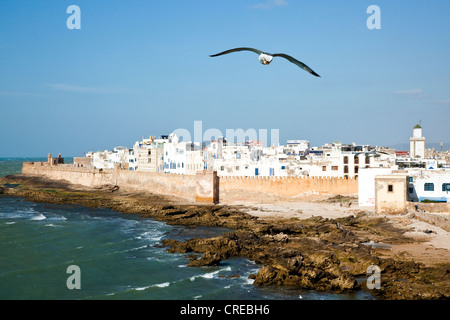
119 257
14 165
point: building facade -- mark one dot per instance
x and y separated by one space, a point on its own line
417 143
182 157
107 159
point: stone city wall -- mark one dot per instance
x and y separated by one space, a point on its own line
166 184
286 186
89 177
161 183
203 187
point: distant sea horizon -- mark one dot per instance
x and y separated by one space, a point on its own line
428 145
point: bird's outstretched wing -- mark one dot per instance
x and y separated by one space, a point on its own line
236 50
295 61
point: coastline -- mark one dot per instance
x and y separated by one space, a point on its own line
298 242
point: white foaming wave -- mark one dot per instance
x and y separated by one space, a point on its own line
208 275
39 217
18 214
51 216
150 235
254 271
211 275
132 249
141 288
193 278
154 258
59 218
8 223
162 285
51 225
27 210
158 285
136 249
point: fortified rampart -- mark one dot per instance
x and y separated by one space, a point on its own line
288 186
205 186
89 177
169 184
187 187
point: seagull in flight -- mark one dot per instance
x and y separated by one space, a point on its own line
266 58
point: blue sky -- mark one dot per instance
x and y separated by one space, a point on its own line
140 68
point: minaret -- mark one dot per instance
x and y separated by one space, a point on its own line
417 143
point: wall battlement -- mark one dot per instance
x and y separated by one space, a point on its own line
288 186
203 187
28 167
284 178
89 177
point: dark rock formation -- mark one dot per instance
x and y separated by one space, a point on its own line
208 259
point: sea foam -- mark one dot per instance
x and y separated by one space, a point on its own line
159 285
39 217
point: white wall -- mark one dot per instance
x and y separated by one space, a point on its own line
106 159
178 155
437 177
366 185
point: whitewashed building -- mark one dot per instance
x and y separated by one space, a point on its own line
431 185
297 147
182 157
132 160
417 143
107 159
236 159
295 159
150 154
366 185
345 161
423 184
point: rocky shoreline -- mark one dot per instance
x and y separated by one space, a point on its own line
316 253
